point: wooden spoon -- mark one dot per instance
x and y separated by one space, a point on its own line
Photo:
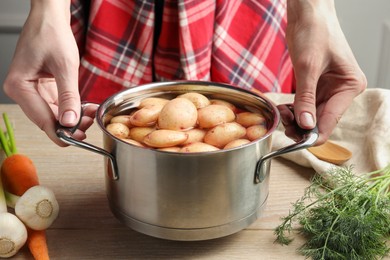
331 152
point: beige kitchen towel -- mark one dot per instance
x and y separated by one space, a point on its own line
364 129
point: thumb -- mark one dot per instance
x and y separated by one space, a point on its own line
305 99
68 97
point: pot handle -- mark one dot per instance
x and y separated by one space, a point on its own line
65 135
308 138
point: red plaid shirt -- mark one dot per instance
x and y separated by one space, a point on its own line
229 41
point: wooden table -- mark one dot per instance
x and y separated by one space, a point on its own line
86 229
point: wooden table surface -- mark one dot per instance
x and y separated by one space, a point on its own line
86 229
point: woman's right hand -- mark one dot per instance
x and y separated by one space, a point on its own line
43 75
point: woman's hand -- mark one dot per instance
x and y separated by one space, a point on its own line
327 74
43 76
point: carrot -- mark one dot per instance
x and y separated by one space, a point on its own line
18 174
36 242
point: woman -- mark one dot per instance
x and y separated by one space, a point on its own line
104 46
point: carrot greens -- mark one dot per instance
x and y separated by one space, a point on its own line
342 216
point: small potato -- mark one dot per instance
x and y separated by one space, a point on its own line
198 147
138 133
223 134
236 143
198 99
255 132
224 103
133 142
124 119
174 149
165 138
194 135
153 101
178 114
118 130
247 119
146 116
214 115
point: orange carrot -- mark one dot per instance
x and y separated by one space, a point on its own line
18 174
36 241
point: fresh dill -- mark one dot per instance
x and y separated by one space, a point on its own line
342 216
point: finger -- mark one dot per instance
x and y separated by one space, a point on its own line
79 135
330 113
68 95
305 97
286 115
288 121
85 123
90 109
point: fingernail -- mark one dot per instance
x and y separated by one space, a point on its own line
306 120
68 118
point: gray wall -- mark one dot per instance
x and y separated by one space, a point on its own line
9 40
366 24
12 16
362 21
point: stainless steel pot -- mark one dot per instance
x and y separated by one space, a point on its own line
194 196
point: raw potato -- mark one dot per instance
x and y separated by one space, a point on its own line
195 135
153 101
173 149
214 115
165 138
199 100
146 116
223 134
247 119
178 114
236 143
118 130
133 142
198 147
138 133
224 103
255 132
124 119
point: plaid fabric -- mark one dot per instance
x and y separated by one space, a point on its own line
229 41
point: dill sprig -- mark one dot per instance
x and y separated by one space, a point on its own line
342 216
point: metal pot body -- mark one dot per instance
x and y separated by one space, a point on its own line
193 196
